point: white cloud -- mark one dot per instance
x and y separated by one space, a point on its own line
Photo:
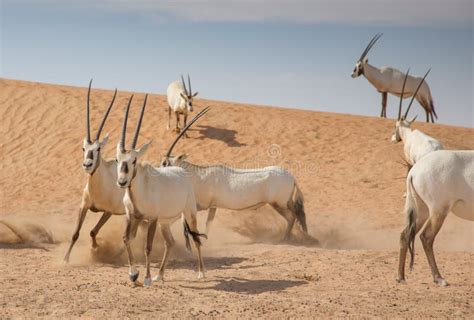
365 12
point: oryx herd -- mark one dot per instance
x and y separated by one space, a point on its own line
438 182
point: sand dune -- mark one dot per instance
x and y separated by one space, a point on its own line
345 165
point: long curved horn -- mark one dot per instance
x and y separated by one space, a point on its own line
124 126
105 116
184 85
401 95
416 91
199 115
139 124
370 45
88 122
189 84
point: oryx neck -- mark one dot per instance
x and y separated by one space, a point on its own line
371 73
404 132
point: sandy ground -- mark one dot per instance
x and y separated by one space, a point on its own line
345 165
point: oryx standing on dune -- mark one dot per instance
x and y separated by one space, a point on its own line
180 100
389 80
240 189
100 193
439 183
157 195
416 144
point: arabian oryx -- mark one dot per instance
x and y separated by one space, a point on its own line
240 189
389 80
439 183
155 195
100 193
180 100
416 144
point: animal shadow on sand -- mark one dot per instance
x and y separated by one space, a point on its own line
211 263
249 286
225 135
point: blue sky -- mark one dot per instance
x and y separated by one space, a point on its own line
296 53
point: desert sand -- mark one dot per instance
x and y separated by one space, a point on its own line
345 165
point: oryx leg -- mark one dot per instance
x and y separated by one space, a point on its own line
190 217
421 217
80 220
432 118
383 112
149 245
177 122
127 238
169 243
210 217
428 236
169 117
289 217
103 219
185 119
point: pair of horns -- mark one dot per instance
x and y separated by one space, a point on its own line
137 129
370 45
101 126
199 115
413 97
188 90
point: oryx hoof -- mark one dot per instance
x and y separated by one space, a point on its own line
177 130
133 276
65 262
200 275
441 282
401 281
159 278
147 282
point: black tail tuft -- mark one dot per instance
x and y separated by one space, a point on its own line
300 214
433 109
196 235
411 230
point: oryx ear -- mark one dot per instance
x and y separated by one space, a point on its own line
104 141
182 157
183 96
195 94
143 148
412 120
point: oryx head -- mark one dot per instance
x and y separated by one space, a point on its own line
188 94
91 148
170 160
402 121
127 159
359 67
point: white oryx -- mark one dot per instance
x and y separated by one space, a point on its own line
156 195
416 144
240 189
389 80
180 100
439 183
100 193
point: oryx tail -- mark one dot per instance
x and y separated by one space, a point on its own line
196 236
411 212
296 204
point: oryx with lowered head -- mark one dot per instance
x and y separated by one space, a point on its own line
219 186
389 80
416 144
156 195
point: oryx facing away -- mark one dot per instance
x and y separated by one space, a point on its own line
389 80
240 189
100 193
416 144
180 100
439 183
157 195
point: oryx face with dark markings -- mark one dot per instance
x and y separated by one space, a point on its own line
359 67
91 149
188 94
127 160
